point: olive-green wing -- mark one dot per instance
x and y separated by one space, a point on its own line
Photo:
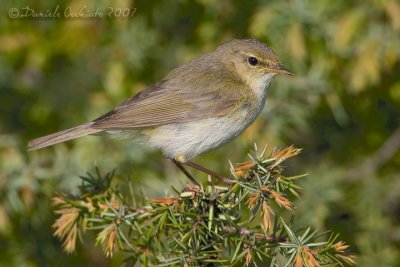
164 103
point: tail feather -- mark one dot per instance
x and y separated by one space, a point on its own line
62 136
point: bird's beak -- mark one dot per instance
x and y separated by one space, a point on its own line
280 69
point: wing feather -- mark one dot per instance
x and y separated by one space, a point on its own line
168 102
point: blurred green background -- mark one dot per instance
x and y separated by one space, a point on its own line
342 107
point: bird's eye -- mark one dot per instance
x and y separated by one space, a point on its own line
252 61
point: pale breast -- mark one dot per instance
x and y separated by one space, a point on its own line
185 141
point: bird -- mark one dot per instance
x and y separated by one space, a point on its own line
195 108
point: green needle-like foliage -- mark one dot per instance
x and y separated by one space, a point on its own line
242 223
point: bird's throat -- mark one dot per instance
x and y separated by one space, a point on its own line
260 86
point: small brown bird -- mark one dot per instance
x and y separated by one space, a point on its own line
197 107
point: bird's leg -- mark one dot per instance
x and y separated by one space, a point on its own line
188 175
209 172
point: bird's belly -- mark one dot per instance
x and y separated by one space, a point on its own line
184 141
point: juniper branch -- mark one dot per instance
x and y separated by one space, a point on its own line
242 223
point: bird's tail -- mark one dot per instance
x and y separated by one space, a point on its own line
62 136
